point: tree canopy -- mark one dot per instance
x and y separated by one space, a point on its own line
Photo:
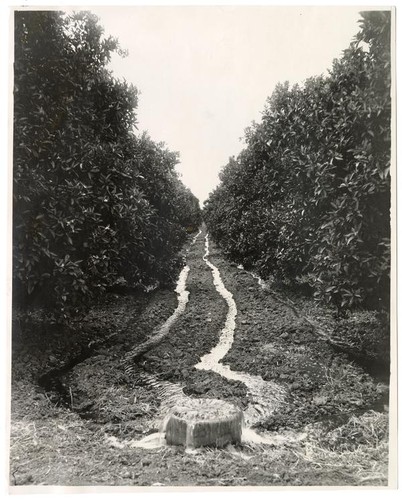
95 205
308 199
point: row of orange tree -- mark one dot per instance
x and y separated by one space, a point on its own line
308 199
95 205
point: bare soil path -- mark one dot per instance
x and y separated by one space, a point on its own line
76 427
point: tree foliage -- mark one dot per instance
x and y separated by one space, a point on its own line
308 199
94 205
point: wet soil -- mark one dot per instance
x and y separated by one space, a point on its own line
75 406
277 344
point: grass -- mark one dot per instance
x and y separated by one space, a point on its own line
358 448
66 450
355 453
346 386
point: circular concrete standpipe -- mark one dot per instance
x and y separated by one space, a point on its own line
204 422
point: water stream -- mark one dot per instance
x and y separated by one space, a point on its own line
266 396
182 296
161 332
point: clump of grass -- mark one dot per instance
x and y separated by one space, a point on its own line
370 430
357 450
347 388
365 333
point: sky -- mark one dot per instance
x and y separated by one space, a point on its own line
204 73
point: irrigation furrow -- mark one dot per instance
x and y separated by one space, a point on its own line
162 331
267 396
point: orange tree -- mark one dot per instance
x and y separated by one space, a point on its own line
308 199
94 205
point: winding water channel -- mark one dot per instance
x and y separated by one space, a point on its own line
265 396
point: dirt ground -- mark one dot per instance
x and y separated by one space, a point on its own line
75 407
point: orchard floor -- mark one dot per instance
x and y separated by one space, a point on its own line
74 408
